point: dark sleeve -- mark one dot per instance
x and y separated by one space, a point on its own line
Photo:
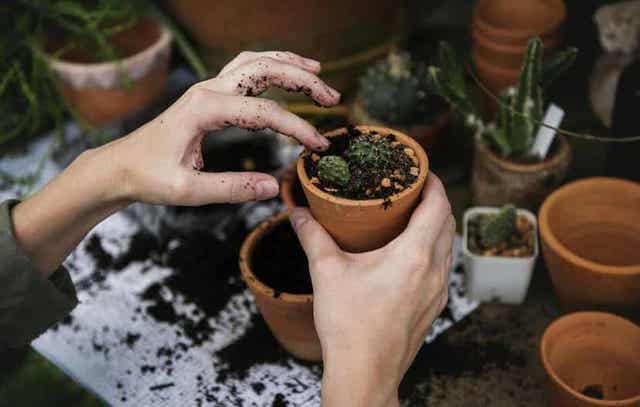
29 302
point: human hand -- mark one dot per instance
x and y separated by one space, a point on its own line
161 161
372 310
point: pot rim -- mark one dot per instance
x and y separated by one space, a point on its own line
563 251
402 138
513 49
246 256
286 188
593 315
550 27
564 151
163 41
469 212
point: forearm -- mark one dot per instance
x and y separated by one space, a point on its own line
51 223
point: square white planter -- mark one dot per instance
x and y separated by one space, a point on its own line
494 278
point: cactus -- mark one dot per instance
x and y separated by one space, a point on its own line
521 106
334 170
500 227
396 91
365 153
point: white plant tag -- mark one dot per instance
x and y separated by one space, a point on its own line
553 117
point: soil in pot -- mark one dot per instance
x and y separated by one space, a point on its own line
519 243
379 166
280 263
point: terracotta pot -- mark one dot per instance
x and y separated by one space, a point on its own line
96 90
428 135
593 353
291 193
365 225
289 316
344 35
590 232
496 180
501 30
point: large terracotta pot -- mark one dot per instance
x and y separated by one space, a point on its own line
500 31
289 316
97 90
590 232
496 180
592 359
428 134
344 35
365 225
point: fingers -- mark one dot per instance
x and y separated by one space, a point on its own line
315 240
193 188
205 110
429 216
256 76
307 64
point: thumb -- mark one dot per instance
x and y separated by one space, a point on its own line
227 187
315 240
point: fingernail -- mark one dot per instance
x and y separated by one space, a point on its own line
297 216
323 142
335 94
311 62
266 189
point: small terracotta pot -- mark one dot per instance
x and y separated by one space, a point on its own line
590 232
289 316
428 135
365 225
291 192
496 180
96 90
593 353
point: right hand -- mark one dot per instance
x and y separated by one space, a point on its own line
372 310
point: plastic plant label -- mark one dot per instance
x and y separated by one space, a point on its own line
544 138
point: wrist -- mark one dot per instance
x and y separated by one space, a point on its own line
356 379
109 189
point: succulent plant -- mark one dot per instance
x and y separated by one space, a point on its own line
334 170
366 153
499 228
396 91
521 107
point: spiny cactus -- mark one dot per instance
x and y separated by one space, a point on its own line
521 107
365 153
499 227
396 91
334 170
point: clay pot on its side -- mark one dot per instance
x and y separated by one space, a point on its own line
365 225
590 231
595 354
496 180
96 90
289 316
428 135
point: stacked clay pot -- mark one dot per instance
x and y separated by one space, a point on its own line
500 31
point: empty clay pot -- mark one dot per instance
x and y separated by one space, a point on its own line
590 231
500 32
592 359
289 316
96 90
496 180
428 135
365 225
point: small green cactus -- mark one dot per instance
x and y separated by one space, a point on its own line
366 153
396 91
500 227
521 106
334 170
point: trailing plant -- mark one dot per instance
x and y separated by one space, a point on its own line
500 227
521 107
396 91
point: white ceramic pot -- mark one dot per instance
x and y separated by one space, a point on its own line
494 278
